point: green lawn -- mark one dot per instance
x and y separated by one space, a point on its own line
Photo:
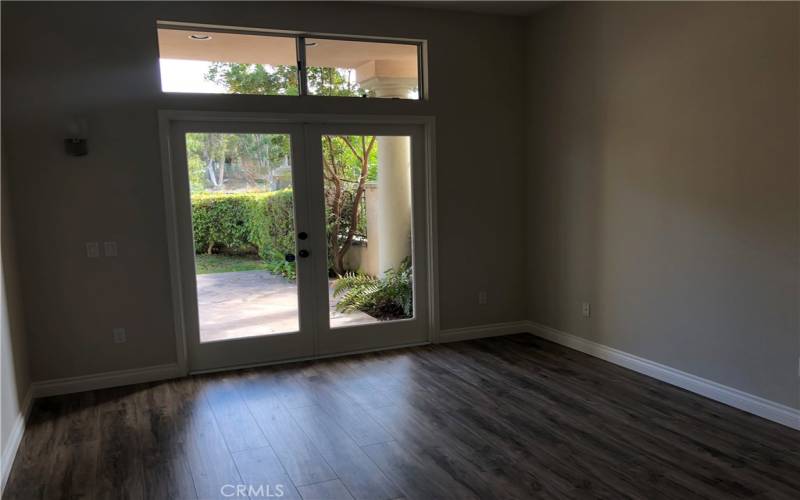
210 264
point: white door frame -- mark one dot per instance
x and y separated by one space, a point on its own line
407 331
178 282
246 349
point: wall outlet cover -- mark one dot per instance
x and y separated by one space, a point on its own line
120 336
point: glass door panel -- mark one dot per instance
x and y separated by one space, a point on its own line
368 228
243 225
241 208
297 240
369 192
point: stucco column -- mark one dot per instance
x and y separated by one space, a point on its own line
369 264
394 202
393 225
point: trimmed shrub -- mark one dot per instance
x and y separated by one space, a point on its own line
243 223
270 223
220 221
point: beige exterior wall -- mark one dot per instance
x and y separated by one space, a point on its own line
363 257
369 262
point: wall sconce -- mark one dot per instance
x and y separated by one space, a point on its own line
76 143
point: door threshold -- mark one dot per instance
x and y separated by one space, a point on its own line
306 358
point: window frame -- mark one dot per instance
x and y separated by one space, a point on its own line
299 38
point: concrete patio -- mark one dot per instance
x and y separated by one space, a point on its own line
254 303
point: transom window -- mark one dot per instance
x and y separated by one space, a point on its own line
240 61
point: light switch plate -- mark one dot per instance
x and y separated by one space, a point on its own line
110 248
92 249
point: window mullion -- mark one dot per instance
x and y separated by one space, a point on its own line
302 76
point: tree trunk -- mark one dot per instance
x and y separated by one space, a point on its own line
356 212
335 206
210 172
221 176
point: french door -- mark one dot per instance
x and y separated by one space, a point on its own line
389 245
296 240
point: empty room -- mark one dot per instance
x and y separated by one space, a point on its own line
400 250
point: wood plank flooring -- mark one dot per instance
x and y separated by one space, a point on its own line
508 417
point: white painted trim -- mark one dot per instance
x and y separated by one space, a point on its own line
420 43
482 331
431 199
750 403
284 32
171 225
306 358
741 400
170 115
14 439
104 380
165 119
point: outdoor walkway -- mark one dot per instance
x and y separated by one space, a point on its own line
253 303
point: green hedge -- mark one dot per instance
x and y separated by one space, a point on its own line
244 223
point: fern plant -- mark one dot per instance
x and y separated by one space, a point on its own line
390 297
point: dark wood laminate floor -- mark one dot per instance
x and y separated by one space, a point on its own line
508 417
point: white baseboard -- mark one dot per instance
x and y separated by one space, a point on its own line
14 439
477 332
107 379
756 405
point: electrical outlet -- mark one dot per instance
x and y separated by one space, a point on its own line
92 249
120 337
483 298
110 248
586 309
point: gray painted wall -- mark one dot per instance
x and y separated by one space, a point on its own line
101 61
657 175
14 376
663 184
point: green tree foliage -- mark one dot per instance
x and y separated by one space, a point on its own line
346 162
206 155
254 78
349 162
251 158
264 79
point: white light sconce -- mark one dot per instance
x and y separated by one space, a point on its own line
76 141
